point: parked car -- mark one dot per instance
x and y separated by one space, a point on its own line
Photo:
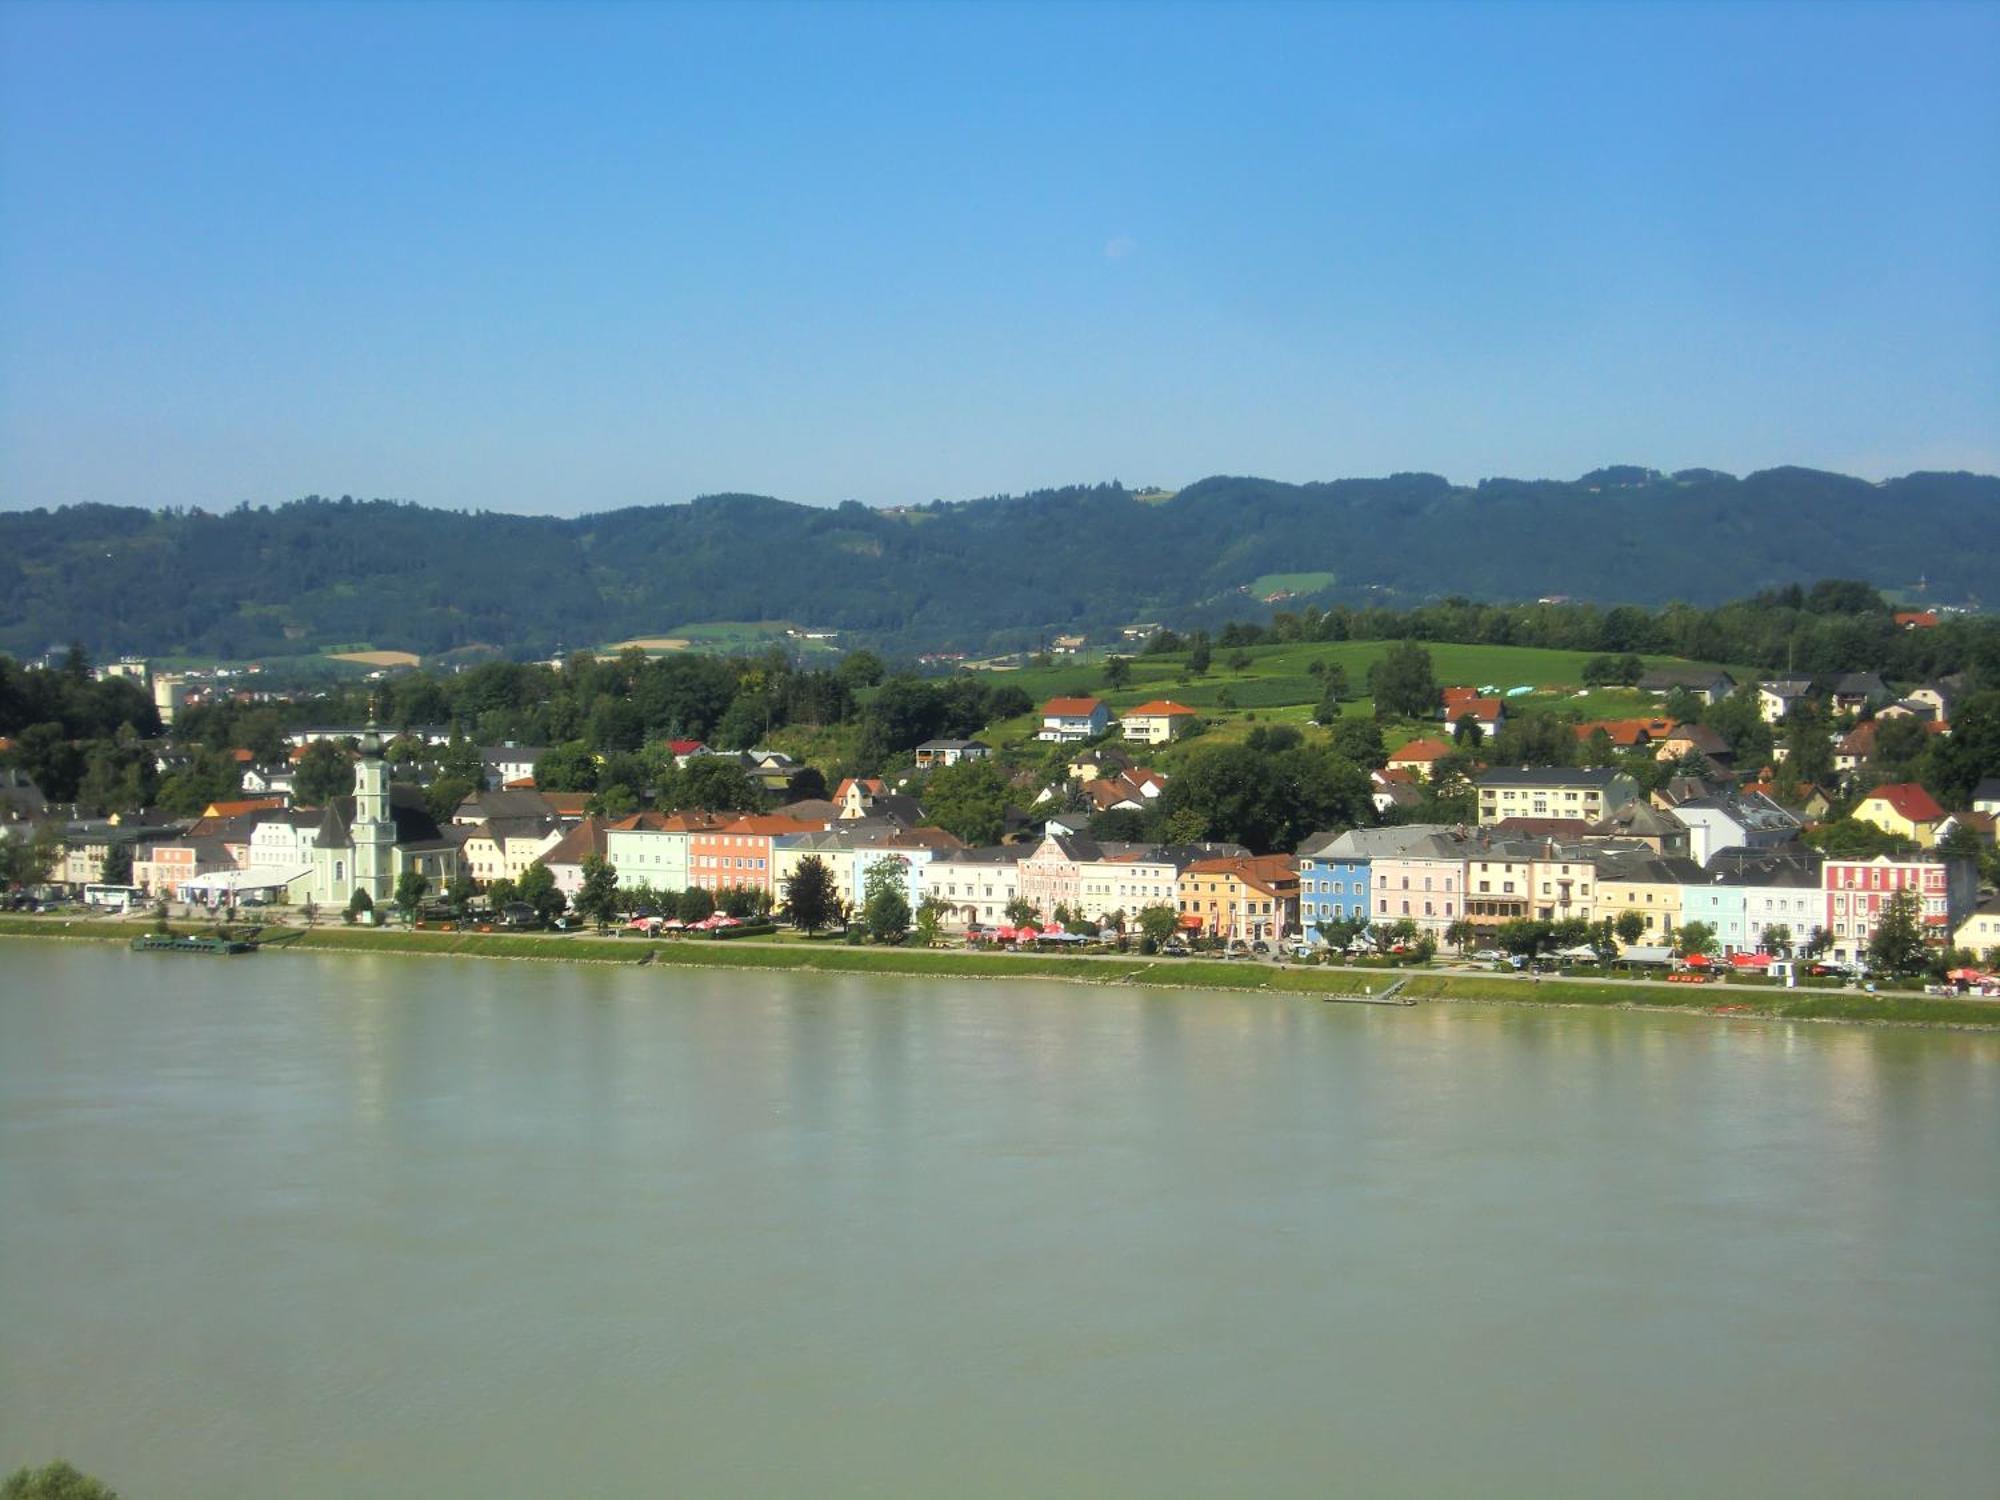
1489 955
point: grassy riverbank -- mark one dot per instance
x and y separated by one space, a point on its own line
829 957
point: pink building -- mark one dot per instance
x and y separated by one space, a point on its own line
1858 889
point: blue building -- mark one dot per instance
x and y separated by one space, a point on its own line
1334 872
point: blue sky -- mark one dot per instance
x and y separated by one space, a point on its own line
567 258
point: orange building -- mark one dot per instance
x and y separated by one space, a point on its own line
740 853
1243 898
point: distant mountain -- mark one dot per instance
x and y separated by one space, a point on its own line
973 574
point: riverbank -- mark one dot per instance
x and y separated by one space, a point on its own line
1335 984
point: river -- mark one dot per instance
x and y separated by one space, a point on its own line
329 1225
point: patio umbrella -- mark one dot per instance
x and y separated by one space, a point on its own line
1699 961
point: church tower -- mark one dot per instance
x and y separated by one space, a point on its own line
374 829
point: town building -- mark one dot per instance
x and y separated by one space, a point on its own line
1551 792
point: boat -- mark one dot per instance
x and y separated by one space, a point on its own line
158 942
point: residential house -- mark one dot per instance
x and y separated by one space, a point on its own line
1243 898
1859 690
1980 932
1418 757
88 842
1986 796
1904 809
933 753
1707 684
509 763
1854 749
1858 889
1916 619
1334 871
1551 792
1777 698
565 858
1488 714
1639 822
1937 697
269 781
1696 740
1624 734
1067 720
1734 820
1157 722
481 806
503 848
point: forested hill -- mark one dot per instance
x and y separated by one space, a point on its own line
313 573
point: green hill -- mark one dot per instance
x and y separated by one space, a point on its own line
976 575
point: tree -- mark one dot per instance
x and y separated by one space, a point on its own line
810 897
1360 741
1695 939
1117 672
1630 927
969 800
1021 912
26 861
718 783
1461 935
885 909
538 888
459 891
1777 939
1817 944
1199 653
56 1481
118 865
1158 924
597 898
1465 732
694 904
1522 936
411 887
1402 683
930 919
442 796
323 773
1897 945
359 904
567 768
743 902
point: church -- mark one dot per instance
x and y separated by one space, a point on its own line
367 840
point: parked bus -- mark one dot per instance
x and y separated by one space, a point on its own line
114 897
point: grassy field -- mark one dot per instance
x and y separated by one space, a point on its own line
1276 684
1278 585
826 956
727 637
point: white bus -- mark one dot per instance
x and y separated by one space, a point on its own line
114 897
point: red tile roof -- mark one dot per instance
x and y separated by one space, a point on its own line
1917 619
1071 708
1420 752
1159 708
1474 708
1626 733
1908 800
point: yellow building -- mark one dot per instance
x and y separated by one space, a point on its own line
1904 809
1242 898
1649 885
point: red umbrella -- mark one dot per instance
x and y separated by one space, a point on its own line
1699 961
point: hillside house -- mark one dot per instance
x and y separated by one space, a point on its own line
1069 720
1157 722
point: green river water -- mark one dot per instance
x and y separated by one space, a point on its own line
336 1226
